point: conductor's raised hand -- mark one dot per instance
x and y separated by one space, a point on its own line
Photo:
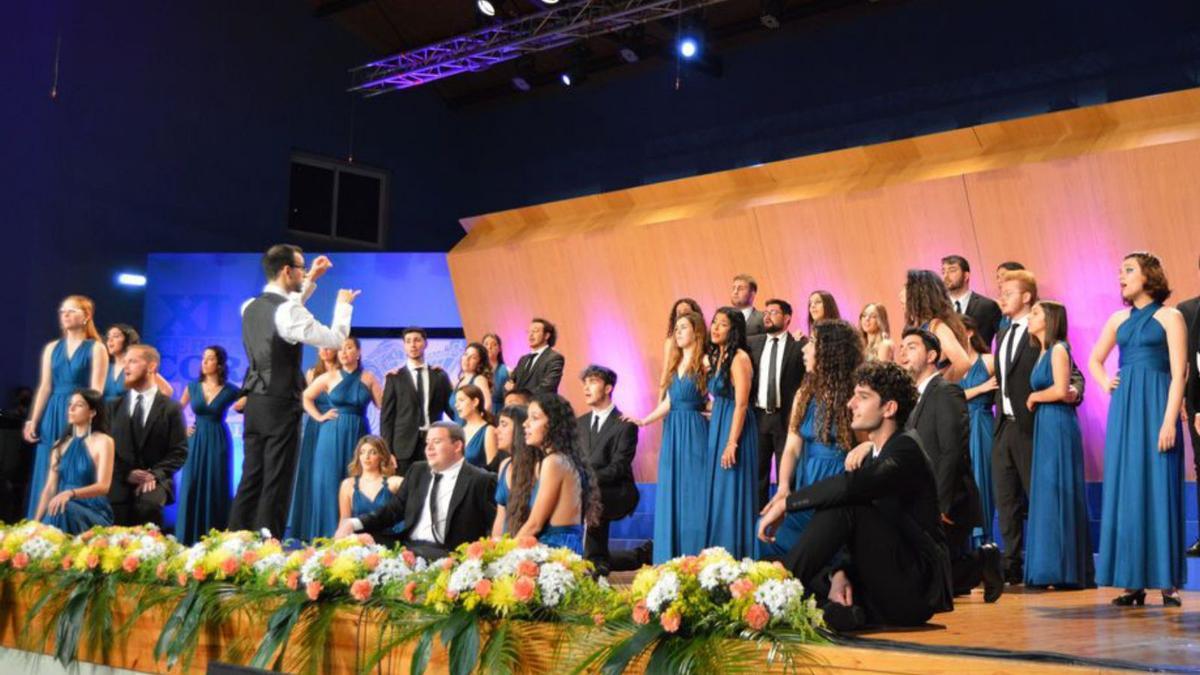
347 296
319 267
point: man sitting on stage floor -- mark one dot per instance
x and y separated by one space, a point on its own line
443 502
874 551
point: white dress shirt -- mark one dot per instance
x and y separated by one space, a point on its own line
295 324
601 416
147 400
962 301
423 530
536 353
422 386
1017 330
923 384
747 311
764 371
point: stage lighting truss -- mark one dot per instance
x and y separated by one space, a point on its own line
549 29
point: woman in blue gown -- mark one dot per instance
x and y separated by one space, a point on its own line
327 360
77 360
372 480
1058 549
474 369
495 353
74 497
681 494
118 338
732 439
817 441
481 449
351 390
517 474
979 385
203 502
567 496
1141 524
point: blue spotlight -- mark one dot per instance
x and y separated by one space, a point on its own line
689 47
129 279
565 78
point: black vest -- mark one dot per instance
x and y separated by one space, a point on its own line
274 368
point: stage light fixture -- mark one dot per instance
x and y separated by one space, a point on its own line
521 84
771 13
486 7
130 279
566 78
688 47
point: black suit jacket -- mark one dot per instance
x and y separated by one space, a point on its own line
789 378
611 455
1191 315
987 315
161 448
900 484
754 323
469 517
400 417
1025 356
545 374
943 424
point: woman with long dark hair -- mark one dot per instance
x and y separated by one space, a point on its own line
474 370
567 494
681 495
819 434
732 438
204 484
118 338
1142 521
76 360
979 386
682 306
821 306
495 353
74 496
477 426
927 305
516 481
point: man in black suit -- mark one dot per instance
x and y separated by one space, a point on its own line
745 288
956 272
1012 448
943 424
541 369
149 440
1191 316
443 502
414 395
874 551
778 369
609 443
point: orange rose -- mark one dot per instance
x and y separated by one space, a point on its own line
410 591
475 550
690 565
66 563
523 589
598 619
249 557
408 557
527 568
161 570
229 566
670 621
360 590
741 587
447 564
101 543
130 564
21 560
757 616
371 561
273 579
328 559
199 574
182 579
92 561
313 590
293 580
641 615
4 555
483 588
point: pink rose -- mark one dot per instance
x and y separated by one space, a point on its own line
598 619
670 621
66 563
447 564
523 589
92 561
475 550
483 588
409 558
21 560
130 564
360 590
248 557
741 587
229 566
371 561
198 573
641 615
528 568
313 590
4 555
410 591
757 616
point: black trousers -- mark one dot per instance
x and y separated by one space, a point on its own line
417 455
1191 425
772 436
141 509
595 549
966 567
887 577
1012 461
271 442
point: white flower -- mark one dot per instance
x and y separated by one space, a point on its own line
390 570
719 573
776 595
554 580
275 561
665 590
310 570
264 533
465 577
507 564
38 548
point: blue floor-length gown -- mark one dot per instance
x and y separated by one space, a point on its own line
204 481
982 424
302 484
1141 524
681 495
500 376
76 470
334 451
819 460
361 505
558 536
1058 550
733 500
66 375
476 452
114 388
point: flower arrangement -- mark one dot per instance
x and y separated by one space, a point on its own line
239 557
342 568
31 547
139 553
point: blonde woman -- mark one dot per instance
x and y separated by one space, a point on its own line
876 333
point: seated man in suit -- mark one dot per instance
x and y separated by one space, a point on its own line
443 502
414 395
874 551
609 443
541 369
943 424
149 440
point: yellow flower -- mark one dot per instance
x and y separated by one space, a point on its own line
111 558
644 581
502 598
343 570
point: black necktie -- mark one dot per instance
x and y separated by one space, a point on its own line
1008 358
421 396
773 377
138 422
433 508
957 307
595 424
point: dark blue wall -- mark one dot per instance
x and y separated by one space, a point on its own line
175 121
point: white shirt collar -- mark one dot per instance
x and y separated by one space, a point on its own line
604 413
275 288
962 299
538 352
413 365
450 474
747 311
875 450
924 383
1023 322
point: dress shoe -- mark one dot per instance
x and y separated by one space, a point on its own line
1131 598
1193 551
844 619
992 569
1172 599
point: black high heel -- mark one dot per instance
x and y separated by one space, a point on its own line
1172 599
1132 598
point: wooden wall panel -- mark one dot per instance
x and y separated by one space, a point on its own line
1066 193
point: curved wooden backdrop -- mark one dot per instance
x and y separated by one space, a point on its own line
1067 193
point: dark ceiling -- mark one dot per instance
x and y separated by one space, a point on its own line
392 26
